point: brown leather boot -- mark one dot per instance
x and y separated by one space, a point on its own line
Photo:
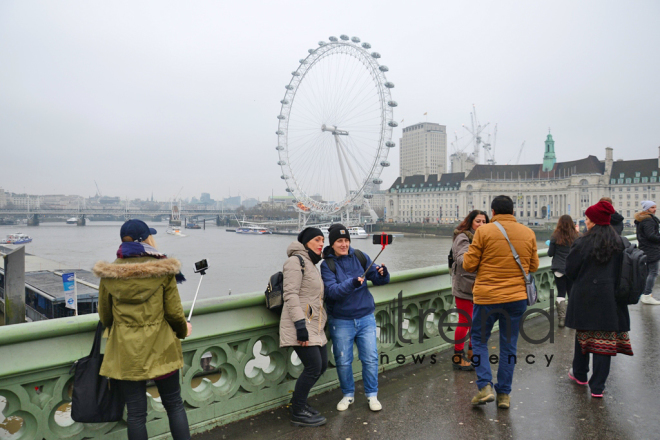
459 362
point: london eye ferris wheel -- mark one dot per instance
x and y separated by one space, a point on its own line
335 126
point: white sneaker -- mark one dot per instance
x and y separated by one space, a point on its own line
374 404
648 299
344 403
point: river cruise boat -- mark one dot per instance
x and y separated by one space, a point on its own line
253 230
175 231
17 238
193 226
354 232
72 221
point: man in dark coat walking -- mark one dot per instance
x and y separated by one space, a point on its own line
648 237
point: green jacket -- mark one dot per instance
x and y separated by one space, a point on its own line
139 302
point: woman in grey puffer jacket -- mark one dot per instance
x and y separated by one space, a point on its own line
462 283
302 324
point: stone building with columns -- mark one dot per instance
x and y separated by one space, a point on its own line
541 192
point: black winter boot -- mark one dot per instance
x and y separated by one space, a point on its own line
303 417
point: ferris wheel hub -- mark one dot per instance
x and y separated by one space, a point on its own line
334 130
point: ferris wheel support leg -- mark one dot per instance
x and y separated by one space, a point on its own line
341 164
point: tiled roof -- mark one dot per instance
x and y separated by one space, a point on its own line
418 180
629 168
588 165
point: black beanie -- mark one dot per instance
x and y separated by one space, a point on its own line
308 234
337 231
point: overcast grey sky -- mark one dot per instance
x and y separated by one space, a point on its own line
151 96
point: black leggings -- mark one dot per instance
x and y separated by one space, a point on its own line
563 286
135 393
581 368
315 360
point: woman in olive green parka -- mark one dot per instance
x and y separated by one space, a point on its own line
139 303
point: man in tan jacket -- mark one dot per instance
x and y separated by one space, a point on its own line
500 295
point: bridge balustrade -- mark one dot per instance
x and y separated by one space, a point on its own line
233 364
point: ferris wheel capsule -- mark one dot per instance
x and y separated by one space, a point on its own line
383 68
321 43
289 190
368 196
279 148
385 163
281 117
295 73
333 39
344 37
377 181
392 124
289 87
366 45
284 102
303 61
375 54
355 40
389 85
284 177
392 103
390 144
281 162
279 132
311 50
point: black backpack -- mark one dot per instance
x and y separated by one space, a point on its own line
275 290
634 271
358 253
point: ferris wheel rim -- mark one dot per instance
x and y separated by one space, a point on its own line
377 74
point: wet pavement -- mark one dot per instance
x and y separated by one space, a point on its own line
432 401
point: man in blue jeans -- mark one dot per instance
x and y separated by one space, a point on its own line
351 313
499 295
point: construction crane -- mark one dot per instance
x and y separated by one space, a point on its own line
520 152
476 131
98 190
489 149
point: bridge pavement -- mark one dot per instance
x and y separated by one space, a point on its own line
432 401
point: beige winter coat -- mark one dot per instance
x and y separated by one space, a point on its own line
462 281
303 299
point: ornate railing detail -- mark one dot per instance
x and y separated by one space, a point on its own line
233 364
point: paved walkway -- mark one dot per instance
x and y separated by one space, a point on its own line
432 401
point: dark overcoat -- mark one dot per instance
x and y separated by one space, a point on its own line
592 305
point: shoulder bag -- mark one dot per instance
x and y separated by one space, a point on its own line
532 294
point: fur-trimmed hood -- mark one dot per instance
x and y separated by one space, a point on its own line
470 234
643 215
127 269
135 280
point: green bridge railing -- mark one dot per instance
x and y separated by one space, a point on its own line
233 364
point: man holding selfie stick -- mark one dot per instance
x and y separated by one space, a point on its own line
351 310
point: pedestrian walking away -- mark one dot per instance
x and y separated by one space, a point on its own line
500 295
462 283
139 302
560 244
302 324
601 323
351 310
648 238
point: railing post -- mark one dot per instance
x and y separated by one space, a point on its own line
14 286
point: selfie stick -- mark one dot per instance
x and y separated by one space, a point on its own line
202 272
383 243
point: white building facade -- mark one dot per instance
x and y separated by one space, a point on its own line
541 192
423 150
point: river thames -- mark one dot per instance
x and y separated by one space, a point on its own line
238 263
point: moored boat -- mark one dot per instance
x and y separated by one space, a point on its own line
253 230
354 232
17 238
72 221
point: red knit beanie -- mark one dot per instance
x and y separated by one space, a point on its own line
600 213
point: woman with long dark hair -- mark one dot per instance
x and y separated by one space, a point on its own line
560 244
461 283
601 323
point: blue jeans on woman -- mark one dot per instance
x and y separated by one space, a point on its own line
362 331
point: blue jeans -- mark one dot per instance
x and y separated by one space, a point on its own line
483 318
650 280
362 331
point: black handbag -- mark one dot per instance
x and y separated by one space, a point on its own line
96 399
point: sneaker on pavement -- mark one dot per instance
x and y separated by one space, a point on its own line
503 401
484 396
648 299
374 404
344 403
572 377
